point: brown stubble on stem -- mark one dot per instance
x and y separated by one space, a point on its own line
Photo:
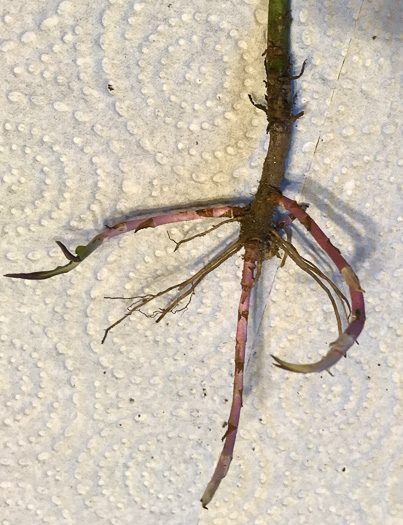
280 118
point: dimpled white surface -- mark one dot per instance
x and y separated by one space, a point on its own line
112 109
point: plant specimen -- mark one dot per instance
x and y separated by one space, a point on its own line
260 236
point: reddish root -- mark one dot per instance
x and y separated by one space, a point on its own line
224 461
347 338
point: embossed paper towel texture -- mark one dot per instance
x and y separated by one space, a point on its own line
111 109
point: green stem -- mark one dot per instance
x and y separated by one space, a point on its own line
278 36
278 95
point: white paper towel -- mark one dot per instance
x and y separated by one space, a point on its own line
112 109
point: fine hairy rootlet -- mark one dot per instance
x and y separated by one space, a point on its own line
260 237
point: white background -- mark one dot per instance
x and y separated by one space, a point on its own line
129 431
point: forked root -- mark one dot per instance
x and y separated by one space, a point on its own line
188 286
202 234
347 338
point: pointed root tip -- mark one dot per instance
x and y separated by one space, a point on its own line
337 349
291 367
206 498
219 474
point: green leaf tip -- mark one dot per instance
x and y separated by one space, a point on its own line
81 253
46 274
